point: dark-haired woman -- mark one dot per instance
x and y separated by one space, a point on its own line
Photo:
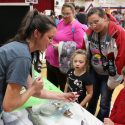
35 33
107 51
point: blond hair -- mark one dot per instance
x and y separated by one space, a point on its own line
82 52
69 5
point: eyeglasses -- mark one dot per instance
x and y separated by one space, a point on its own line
95 22
66 14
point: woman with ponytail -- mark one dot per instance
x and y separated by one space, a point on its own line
34 34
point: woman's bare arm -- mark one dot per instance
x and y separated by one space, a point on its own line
13 99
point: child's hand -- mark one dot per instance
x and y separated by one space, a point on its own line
108 121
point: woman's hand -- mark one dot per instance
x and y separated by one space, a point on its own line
108 121
37 86
70 96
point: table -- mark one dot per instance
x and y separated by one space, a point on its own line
58 118
22 117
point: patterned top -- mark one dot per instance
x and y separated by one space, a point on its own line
78 83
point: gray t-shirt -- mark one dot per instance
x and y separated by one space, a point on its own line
15 65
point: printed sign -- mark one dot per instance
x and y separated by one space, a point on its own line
31 1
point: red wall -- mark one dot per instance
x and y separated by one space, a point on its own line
45 5
41 6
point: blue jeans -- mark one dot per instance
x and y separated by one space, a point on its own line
100 88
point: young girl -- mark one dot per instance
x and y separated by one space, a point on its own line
79 79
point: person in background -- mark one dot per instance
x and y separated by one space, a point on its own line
81 16
114 14
36 60
57 19
77 8
108 10
60 17
35 33
68 29
117 116
117 15
106 49
123 22
78 79
52 15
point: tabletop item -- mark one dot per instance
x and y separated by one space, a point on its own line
68 113
48 109
52 107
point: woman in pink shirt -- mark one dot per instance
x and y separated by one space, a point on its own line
68 29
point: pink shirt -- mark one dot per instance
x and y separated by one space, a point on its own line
65 32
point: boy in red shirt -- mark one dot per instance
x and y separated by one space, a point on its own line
117 116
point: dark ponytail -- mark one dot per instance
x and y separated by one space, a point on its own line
26 30
32 21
